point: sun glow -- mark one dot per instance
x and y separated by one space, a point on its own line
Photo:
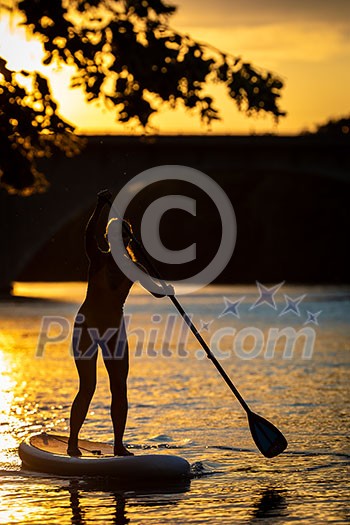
25 52
21 51
7 385
310 55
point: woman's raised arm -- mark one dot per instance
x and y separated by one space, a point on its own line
91 246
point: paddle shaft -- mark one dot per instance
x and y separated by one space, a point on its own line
209 353
188 321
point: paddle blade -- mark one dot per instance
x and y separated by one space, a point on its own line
269 440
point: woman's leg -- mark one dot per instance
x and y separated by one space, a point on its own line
87 384
117 365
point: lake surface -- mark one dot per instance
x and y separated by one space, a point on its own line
179 404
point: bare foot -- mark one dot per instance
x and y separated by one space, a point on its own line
73 450
120 450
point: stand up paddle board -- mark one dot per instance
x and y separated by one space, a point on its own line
48 453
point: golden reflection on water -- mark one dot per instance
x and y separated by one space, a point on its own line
7 420
57 291
179 406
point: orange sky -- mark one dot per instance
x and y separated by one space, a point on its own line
306 42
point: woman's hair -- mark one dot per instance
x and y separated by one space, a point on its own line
126 238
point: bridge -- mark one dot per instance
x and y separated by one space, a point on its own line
290 196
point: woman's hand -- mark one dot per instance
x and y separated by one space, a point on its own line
104 196
168 289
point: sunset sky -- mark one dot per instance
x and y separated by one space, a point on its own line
306 42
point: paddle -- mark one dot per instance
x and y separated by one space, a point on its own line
269 440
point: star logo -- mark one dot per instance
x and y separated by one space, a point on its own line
204 325
292 305
231 307
312 317
267 295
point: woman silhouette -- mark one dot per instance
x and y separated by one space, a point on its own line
100 322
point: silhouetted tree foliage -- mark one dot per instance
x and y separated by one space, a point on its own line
29 129
335 127
126 54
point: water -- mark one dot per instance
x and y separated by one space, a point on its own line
180 405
